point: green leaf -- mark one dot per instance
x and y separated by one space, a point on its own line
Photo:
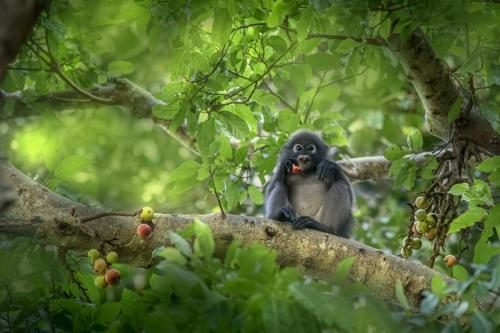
415 140
288 121
454 112
107 312
481 323
174 255
204 243
438 285
181 244
484 250
409 181
343 268
490 164
237 125
400 295
277 15
222 25
385 28
304 23
394 153
346 46
119 67
459 189
255 195
186 170
70 166
467 219
165 111
321 61
460 273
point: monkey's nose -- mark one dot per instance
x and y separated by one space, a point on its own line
303 158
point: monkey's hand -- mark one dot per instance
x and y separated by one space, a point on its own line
303 222
285 168
327 170
288 214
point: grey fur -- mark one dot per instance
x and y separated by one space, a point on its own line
320 198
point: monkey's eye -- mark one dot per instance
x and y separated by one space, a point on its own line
297 147
311 148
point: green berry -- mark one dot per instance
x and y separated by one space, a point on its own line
420 215
100 281
422 227
416 244
112 257
422 203
93 254
406 252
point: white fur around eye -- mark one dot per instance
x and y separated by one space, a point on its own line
311 148
297 147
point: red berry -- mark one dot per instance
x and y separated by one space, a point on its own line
144 230
112 276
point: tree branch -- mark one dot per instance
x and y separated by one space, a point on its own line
52 219
434 85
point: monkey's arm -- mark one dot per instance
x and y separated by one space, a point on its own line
277 205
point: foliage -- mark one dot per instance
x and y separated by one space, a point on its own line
236 78
190 290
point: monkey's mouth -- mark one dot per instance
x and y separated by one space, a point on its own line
304 165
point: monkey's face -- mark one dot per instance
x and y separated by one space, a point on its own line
307 154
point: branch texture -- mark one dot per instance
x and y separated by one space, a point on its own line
52 219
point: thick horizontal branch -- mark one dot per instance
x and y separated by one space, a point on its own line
52 219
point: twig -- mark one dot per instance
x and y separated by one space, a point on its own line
309 107
222 213
104 214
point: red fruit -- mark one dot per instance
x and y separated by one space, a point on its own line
144 230
112 276
296 169
450 260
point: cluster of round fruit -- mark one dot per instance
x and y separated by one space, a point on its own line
105 275
145 218
425 224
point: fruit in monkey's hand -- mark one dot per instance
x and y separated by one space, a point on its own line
146 214
100 281
422 203
93 254
420 215
296 169
112 276
100 266
416 244
112 257
450 260
144 230
422 227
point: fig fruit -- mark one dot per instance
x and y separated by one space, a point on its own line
422 202
93 254
450 260
422 227
420 215
100 266
431 234
146 214
100 281
406 252
416 244
144 230
431 219
112 257
112 276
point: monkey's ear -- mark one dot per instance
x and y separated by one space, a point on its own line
332 151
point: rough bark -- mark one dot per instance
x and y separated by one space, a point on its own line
52 219
432 80
17 18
